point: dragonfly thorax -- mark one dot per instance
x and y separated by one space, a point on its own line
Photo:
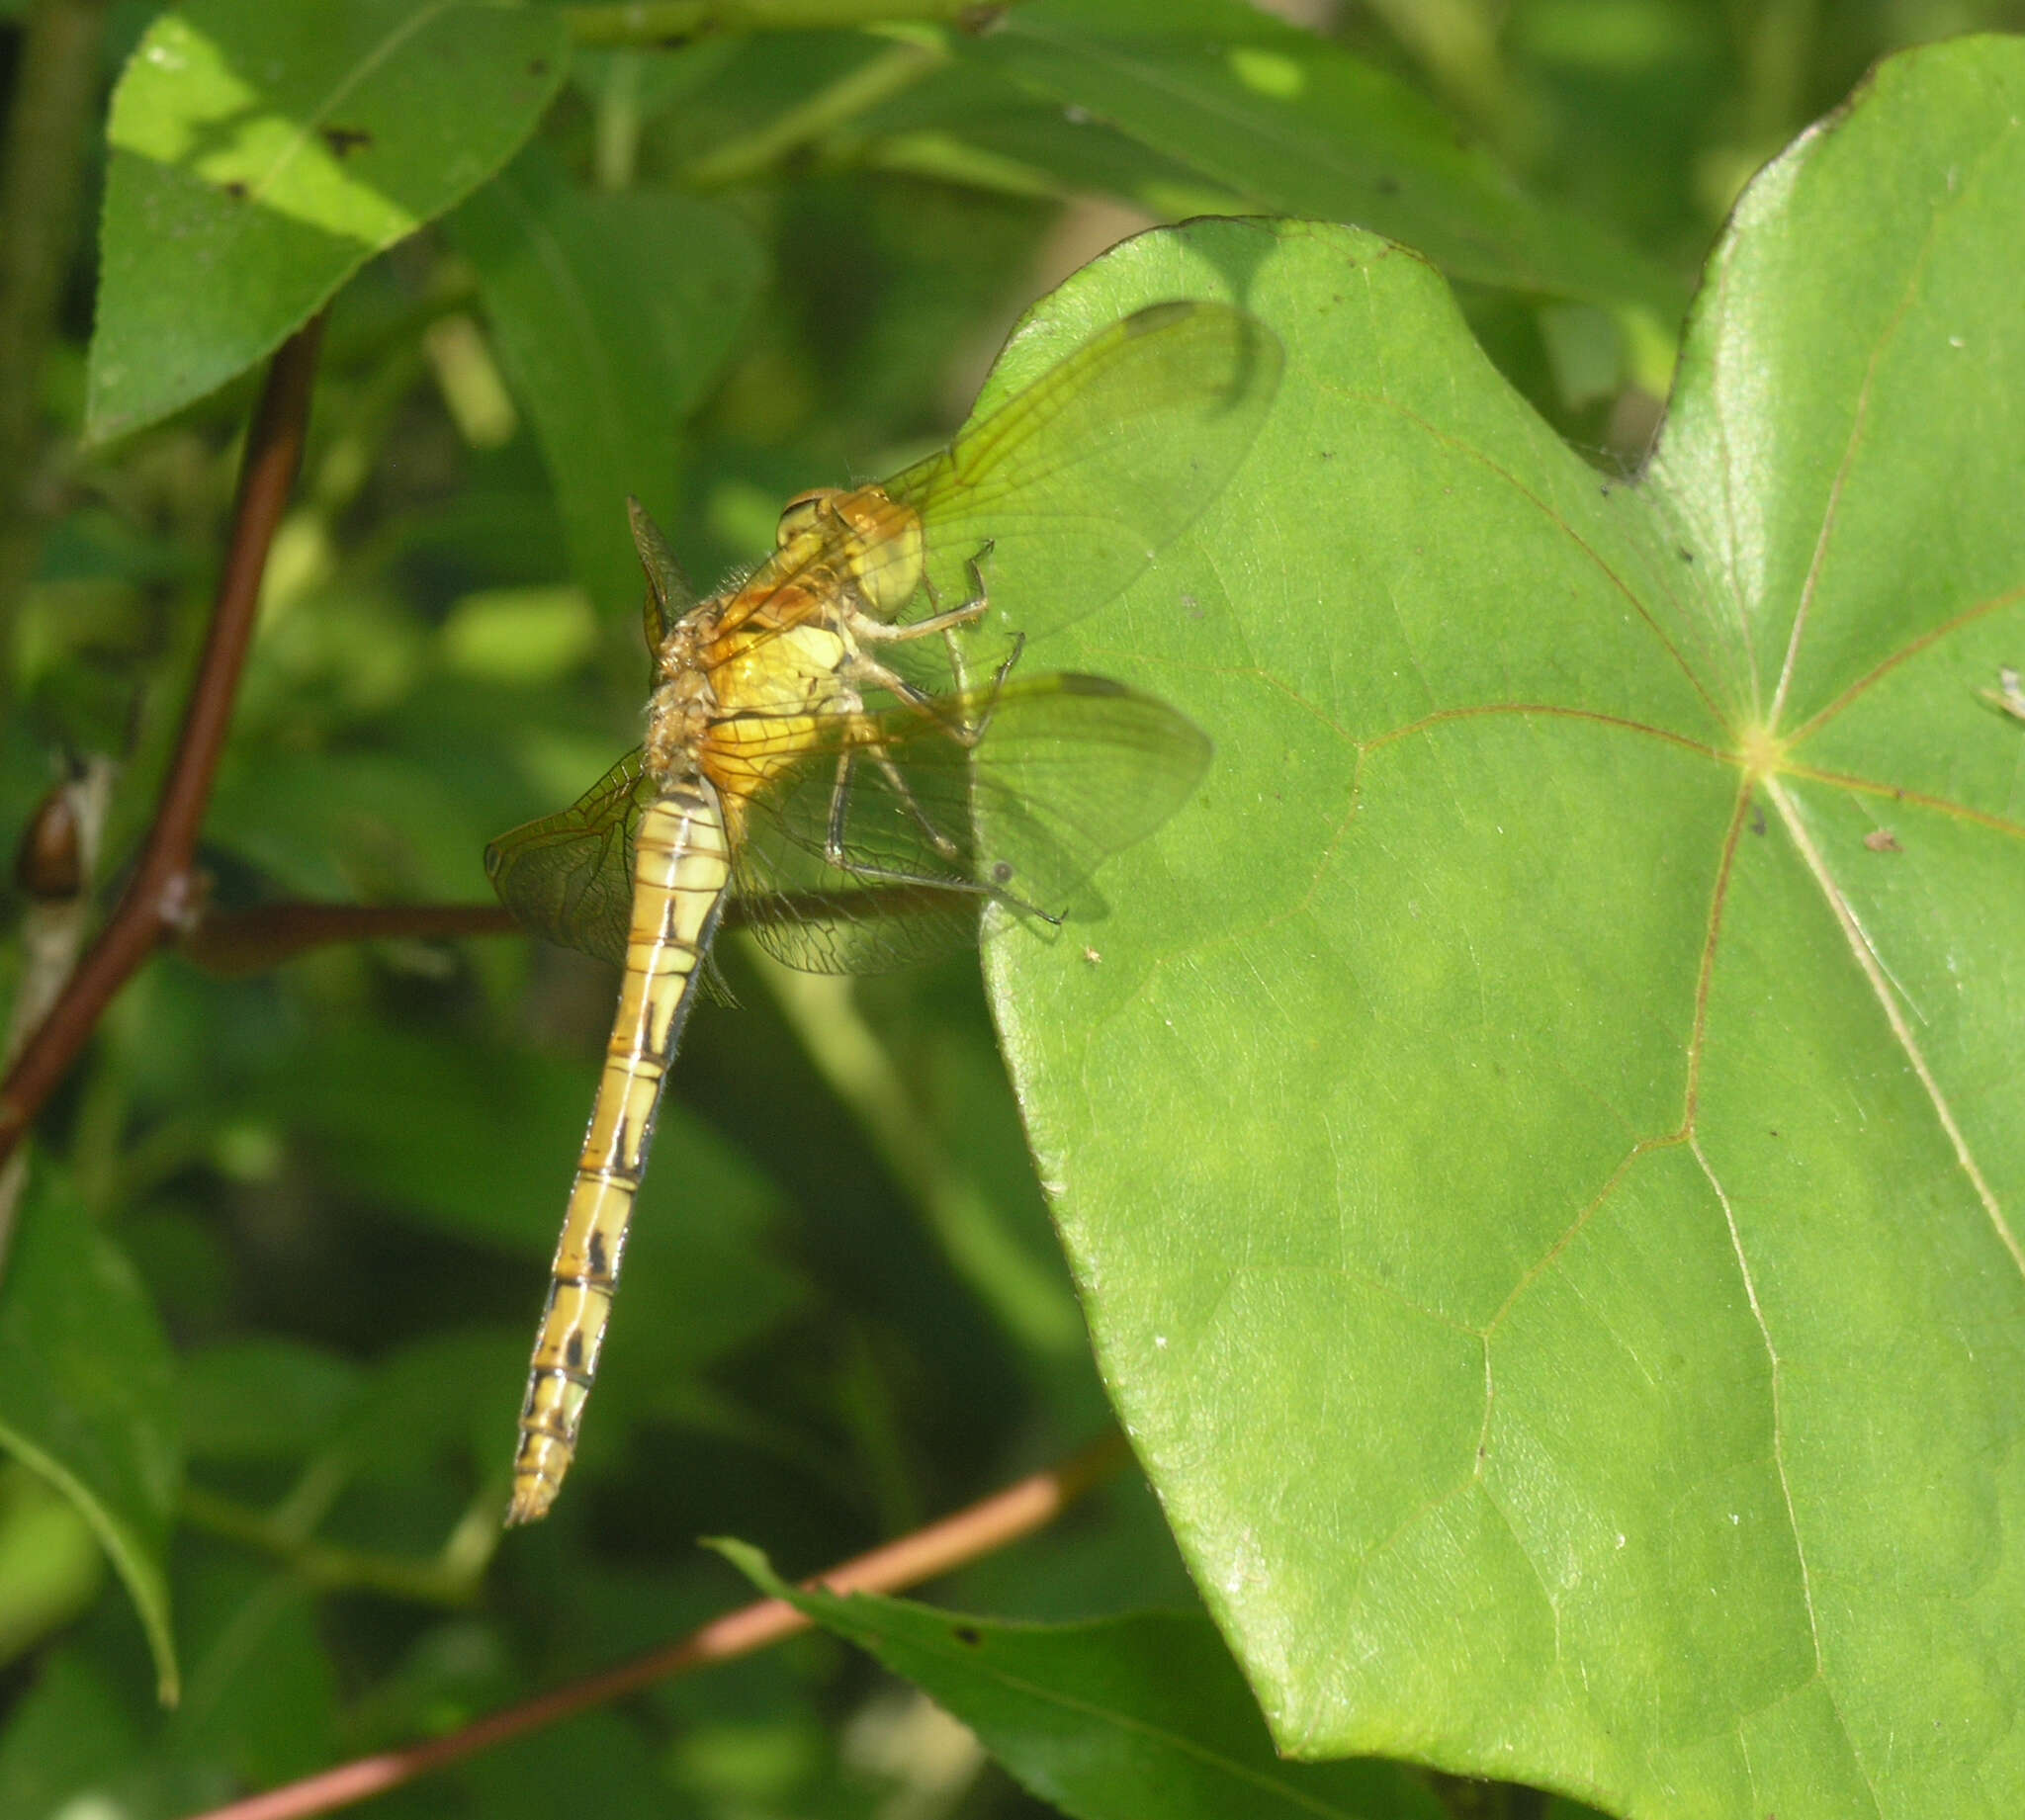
750 680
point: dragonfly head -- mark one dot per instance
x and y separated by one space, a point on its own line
869 537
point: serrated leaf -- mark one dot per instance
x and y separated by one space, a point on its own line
1540 1141
260 154
88 1396
1107 1720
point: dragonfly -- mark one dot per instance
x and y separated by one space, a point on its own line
830 746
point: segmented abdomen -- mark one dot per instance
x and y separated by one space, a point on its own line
680 868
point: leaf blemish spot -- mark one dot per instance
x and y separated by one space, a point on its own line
968 1635
344 141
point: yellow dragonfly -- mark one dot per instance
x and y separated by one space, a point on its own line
823 745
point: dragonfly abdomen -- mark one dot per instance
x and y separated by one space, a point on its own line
681 869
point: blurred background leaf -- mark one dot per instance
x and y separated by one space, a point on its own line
87 1398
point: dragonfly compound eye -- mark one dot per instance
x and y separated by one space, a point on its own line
803 514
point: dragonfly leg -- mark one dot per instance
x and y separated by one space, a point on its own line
839 802
999 677
880 631
968 614
859 669
994 888
941 842
979 598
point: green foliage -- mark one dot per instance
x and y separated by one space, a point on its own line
1535 1138
87 1398
1116 1717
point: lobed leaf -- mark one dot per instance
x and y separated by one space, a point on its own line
1540 1145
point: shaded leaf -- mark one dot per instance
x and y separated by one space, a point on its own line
1120 1717
262 1701
88 1395
263 1399
612 314
68 1733
1294 125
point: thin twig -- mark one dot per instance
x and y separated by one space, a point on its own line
252 941
329 1566
1019 1510
159 896
871 84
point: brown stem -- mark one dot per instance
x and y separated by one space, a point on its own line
159 896
1020 1509
252 941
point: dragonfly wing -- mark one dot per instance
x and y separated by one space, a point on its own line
1079 481
1073 770
1069 769
897 901
570 876
669 595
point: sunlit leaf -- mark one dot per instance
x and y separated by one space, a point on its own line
261 154
1541 1141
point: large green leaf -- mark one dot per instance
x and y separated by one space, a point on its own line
88 1396
1297 125
1539 1139
613 314
261 154
1119 1717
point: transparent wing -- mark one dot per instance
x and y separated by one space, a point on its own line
1015 796
570 876
1077 482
